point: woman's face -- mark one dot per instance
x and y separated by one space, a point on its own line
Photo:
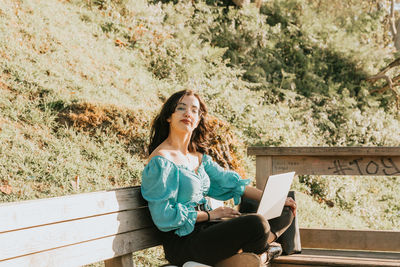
187 114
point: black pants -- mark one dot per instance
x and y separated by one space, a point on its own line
211 242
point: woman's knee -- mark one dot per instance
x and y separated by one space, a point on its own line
287 216
258 230
257 223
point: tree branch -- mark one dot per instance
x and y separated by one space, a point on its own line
392 20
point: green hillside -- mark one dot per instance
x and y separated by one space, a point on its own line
81 80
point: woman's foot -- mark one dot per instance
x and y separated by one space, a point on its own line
274 251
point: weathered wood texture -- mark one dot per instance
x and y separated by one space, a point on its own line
339 165
313 257
121 261
24 214
368 240
263 170
88 252
381 161
324 151
362 161
75 230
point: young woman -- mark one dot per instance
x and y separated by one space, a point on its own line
179 176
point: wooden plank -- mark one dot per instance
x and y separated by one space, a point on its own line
89 252
311 257
31 240
371 240
121 261
332 261
339 165
263 171
353 254
324 151
24 214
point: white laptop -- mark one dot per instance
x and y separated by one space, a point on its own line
275 194
273 199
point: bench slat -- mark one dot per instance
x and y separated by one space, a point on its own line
44 211
324 151
338 165
89 252
370 240
310 257
31 240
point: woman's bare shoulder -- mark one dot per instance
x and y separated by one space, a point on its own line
163 152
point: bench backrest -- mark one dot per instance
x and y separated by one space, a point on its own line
75 230
376 161
361 161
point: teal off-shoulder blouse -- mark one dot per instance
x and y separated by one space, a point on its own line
173 191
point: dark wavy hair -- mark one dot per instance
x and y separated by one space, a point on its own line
160 126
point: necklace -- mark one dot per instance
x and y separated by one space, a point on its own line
187 157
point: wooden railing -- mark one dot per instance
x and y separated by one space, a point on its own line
357 161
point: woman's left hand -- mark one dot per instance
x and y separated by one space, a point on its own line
292 204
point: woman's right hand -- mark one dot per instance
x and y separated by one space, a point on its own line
223 212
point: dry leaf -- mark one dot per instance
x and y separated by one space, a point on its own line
120 43
6 189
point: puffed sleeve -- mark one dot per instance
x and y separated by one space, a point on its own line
224 184
160 183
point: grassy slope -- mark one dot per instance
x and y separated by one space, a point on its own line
105 71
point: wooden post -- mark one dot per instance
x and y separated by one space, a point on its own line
121 261
263 170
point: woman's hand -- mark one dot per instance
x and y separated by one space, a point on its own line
223 212
292 204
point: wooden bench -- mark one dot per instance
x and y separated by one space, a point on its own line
334 247
76 230
108 226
